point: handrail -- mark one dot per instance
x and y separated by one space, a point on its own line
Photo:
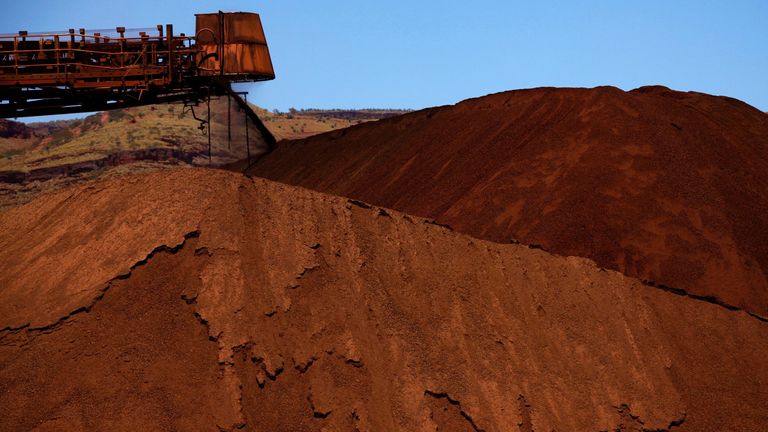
53 50
76 71
45 57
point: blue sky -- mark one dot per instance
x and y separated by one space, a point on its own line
414 54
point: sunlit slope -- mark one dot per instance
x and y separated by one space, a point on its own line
661 185
204 300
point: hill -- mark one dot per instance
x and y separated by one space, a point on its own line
161 126
211 301
44 157
303 123
14 138
661 185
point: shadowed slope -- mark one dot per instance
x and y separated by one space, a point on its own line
213 300
657 184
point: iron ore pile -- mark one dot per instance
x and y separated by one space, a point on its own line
533 260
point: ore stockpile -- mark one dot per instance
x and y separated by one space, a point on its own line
549 259
665 186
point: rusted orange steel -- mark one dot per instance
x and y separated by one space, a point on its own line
81 71
240 38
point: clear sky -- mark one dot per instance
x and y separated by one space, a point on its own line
418 53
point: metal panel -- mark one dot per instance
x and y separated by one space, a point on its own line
243 28
207 29
245 52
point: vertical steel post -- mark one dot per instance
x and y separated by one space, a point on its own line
56 53
229 121
209 125
16 55
169 35
159 47
247 137
71 46
221 43
121 32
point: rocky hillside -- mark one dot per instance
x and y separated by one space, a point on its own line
43 157
12 129
15 138
162 126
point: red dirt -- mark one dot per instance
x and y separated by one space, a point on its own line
212 301
657 184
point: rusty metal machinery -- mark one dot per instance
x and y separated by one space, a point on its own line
79 71
241 55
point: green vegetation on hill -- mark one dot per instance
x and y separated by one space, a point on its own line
42 145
